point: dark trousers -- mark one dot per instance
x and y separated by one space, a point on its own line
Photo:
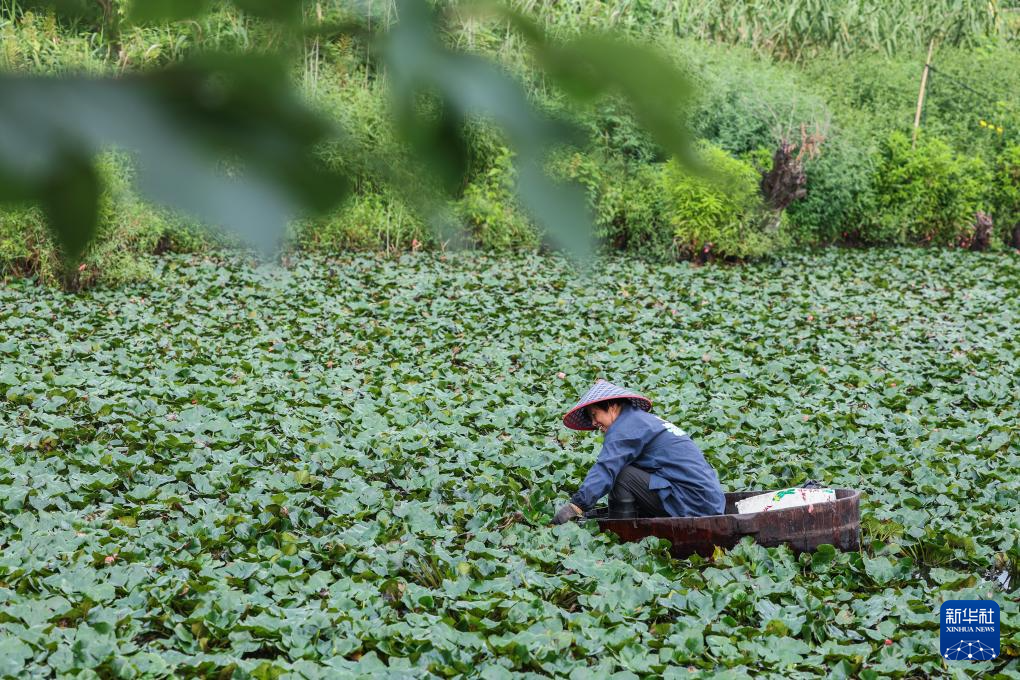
630 496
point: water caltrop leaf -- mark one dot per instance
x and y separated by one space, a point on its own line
880 569
822 557
13 655
183 479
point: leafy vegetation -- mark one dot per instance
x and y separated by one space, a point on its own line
347 466
126 226
1007 198
661 210
790 74
221 136
722 214
803 29
927 194
841 194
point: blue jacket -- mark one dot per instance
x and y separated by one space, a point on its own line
686 483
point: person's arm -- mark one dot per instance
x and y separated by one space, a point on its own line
616 452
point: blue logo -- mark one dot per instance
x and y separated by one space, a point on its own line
969 630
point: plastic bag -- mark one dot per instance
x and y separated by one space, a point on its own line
785 498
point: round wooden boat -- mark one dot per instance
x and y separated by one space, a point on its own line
803 528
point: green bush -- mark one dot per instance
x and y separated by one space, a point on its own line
1006 196
661 211
745 103
840 192
490 211
869 92
632 213
26 248
955 113
722 214
879 94
927 195
367 221
129 229
360 109
625 199
613 131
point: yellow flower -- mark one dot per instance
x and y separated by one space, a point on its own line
999 129
983 123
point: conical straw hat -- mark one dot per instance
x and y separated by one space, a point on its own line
577 417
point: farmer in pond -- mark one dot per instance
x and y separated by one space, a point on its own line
649 468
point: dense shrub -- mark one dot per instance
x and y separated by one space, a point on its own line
661 210
626 201
612 130
927 195
840 191
369 220
879 94
745 103
871 92
26 248
721 214
956 113
633 213
1006 196
129 229
369 143
375 217
490 210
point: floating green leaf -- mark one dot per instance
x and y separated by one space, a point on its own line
327 488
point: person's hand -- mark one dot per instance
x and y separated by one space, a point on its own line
566 513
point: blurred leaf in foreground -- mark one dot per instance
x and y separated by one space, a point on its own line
468 86
595 65
151 11
181 124
226 138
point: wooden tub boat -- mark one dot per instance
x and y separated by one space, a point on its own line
803 528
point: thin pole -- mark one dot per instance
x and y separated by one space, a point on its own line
920 95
